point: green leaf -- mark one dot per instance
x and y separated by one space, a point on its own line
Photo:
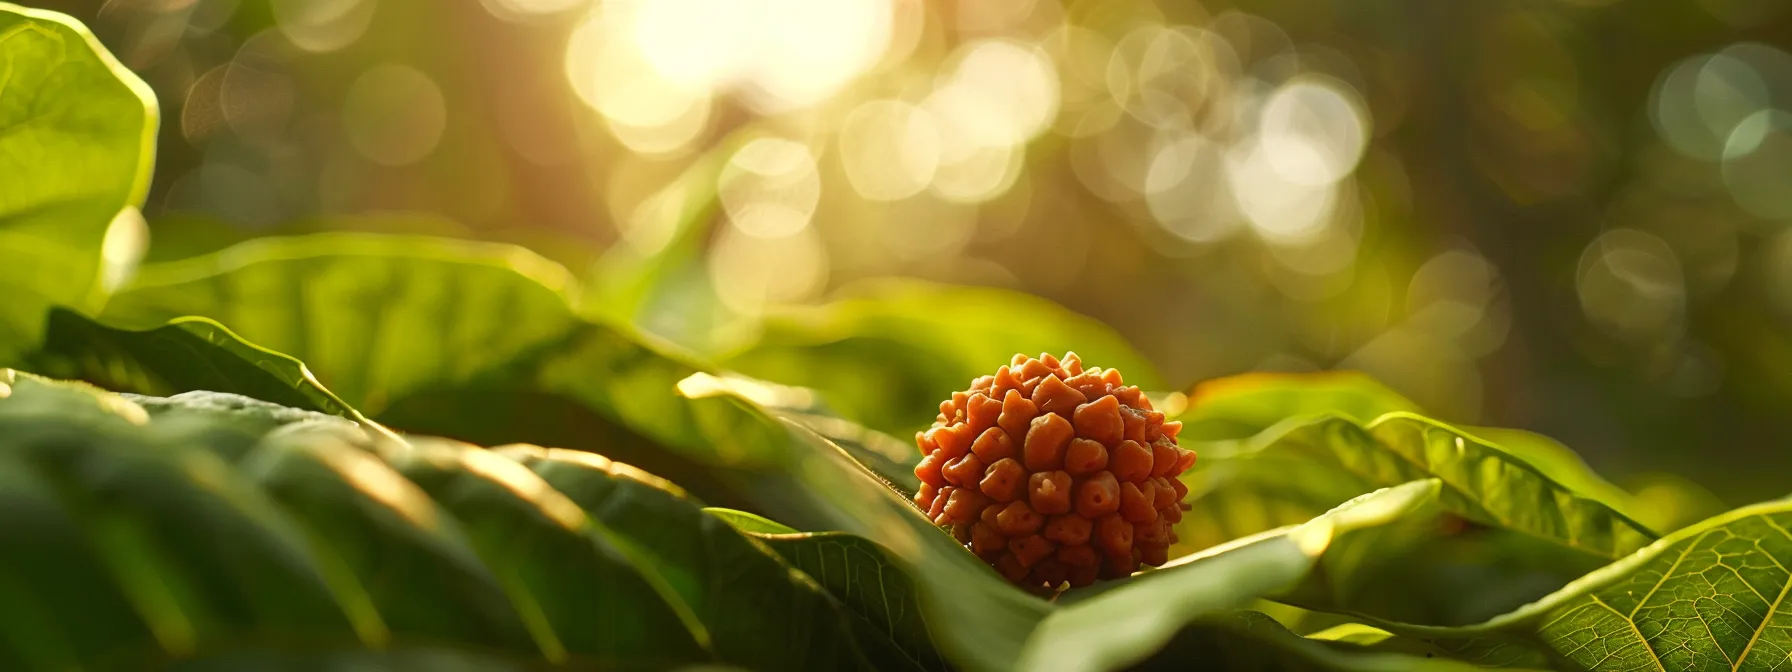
1273 488
188 353
77 143
376 317
1105 627
881 598
475 341
1125 621
136 537
1167 618
1707 597
1318 459
974 617
729 583
892 461
1113 625
1459 568
1238 407
887 352
1249 640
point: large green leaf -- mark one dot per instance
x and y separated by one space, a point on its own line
1238 407
730 583
1110 626
1327 456
1249 640
1708 597
377 318
137 536
77 143
186 354
979 621
1170 619
1510 532
880 596
1461 568
974 617
887 352
476 341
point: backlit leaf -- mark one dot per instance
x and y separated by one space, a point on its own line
77 142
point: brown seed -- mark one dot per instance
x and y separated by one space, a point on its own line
1034 368
1178 486
962 532
1154 555
1005 381
993 445
1017 519
1017 360
1156 532
953 440
1085 457
1154 420
982 413
1003 480
925 443
1172 513
1049 359
1049 492
1047 438
1017 413
1078 555
1130 396
1089 383
1083 576
1135 504
1030 549
1050 571
1134 422
1171 429
963 506
1130 461
1072 363
1029 385
986 542
1184 461
1070 530
988 517
965 471
1010 567
1053 396
925 494
1118 566
1164 458
928 469
939 502
1112 378
1098 496
1113 536
1100 420
1163 494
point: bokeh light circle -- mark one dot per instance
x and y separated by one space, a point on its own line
394 115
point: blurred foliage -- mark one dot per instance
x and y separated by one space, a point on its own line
1564 216
77 145
280 489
